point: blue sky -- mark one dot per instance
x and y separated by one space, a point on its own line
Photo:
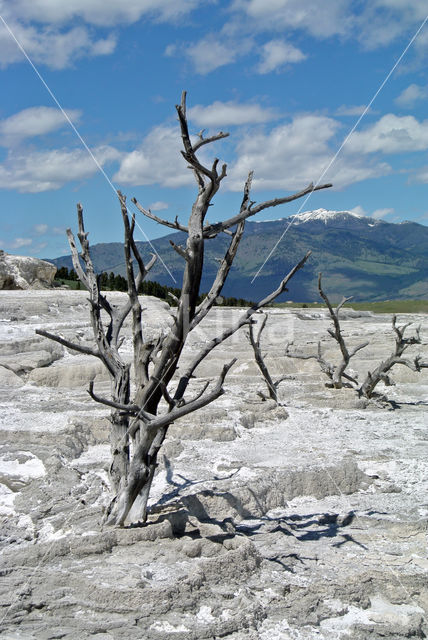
287 78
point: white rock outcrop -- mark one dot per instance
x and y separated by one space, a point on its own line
305 521
22 272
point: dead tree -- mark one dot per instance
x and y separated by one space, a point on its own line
335 372
402 343
140 422
272 386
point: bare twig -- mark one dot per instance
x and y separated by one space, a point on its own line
258 356
402 343
251 209
66 343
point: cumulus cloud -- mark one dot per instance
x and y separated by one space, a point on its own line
374 24
34 121
377 214
408 9
381 213
58 33
277 53
53 47
159 205
156 161
294 154
212 52
102 12
390 134
37 171
421 176
40 229
219 114
383 21
351 110
320 19
358 210
411 95
17 243
288 156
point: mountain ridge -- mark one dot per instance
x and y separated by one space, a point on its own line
359 256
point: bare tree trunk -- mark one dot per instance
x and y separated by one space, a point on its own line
336 333
140 423
335 372
272 386
380 374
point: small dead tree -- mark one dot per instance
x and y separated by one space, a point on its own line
140 423
254 339
335 372
402 343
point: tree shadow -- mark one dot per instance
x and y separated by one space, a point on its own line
185 483
311 527
304 528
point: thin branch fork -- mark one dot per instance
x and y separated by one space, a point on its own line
130 409
189 152
401 345
339 370
258 356
221 276
251 210
244 319
196 403
166 223
179 249
326 367
67 343
180 410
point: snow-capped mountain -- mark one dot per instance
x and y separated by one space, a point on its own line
359 256
326 216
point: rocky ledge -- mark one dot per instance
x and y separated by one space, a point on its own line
305 521
22 272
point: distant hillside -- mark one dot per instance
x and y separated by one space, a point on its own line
359 256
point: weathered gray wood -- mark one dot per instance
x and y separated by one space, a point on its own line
140 424
402 343
335 372
258 356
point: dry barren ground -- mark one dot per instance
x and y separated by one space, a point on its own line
302 521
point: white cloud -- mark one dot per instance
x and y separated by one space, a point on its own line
157 161
407 9
351 110
390 134
383 21
358 210
34 121
295 154
36 171
57 33
40 229
377 214
159 205
51 46
374 24
220 114
421 176
277 53
411 95
381 213
212 52
17 243
321 19
101 12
